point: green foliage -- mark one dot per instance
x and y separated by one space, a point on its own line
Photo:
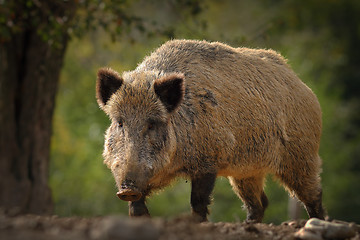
303 32
49 19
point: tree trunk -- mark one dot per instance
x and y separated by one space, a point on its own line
29 74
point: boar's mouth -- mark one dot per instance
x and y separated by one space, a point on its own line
128 192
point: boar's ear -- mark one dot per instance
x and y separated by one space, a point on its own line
170 90
108 82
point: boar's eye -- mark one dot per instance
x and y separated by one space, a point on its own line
151 125
120 124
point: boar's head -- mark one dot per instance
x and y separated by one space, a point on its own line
140 141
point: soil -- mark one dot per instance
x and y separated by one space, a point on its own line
121 227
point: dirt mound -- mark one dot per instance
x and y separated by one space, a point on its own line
121 227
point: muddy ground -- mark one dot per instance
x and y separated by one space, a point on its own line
121 227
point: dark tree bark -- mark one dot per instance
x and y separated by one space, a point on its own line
29 75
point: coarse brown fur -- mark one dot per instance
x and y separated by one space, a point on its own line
200 110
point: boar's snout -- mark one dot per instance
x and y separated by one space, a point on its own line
129 195
128 191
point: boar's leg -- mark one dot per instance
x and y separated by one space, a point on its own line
138 208
315 208
250 191
201 189
307 189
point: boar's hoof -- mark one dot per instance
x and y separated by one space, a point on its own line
129 195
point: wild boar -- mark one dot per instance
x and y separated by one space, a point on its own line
199 110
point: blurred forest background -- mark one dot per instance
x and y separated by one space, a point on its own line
321 40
